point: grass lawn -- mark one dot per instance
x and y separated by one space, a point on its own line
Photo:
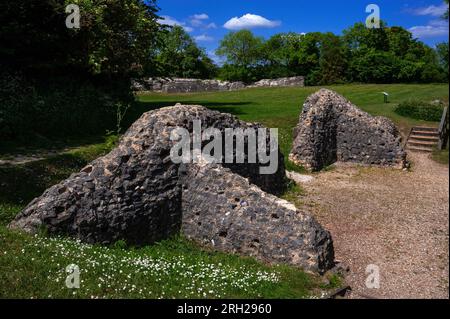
35 267
280 107
441 156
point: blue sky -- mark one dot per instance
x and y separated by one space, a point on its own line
208 21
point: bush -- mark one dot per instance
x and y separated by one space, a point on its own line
420 110
63 107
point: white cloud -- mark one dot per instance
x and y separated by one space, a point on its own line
203 38
435 28
196 23
202 16
200 21
167 20
435 11
212 25
249 21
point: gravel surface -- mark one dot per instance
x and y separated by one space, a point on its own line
396 220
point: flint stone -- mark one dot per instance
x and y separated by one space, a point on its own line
332 129
181 85
250 222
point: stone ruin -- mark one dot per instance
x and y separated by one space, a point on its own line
331 129
138 194
280 82
180 85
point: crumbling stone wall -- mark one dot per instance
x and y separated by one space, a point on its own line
224 211
280 82
180 85
136 193
332 129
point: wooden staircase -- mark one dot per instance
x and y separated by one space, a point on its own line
423 139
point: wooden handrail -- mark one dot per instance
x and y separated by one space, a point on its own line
443 130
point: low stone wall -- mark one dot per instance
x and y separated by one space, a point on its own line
332 129
178 85
281 82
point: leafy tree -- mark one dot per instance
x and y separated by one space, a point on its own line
120 36
181 57
278 53
333 59
446 13
442 51
117 38
241 48
399 40
243 53
374 67
289 54
359 38
72 81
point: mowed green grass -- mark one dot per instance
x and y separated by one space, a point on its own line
280 107
34 267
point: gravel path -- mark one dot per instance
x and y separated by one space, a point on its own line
396 220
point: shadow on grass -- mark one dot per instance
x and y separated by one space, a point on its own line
34 144
19 184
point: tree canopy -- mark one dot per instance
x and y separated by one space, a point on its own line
383 55
179 56
115 38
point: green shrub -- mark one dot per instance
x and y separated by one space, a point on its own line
420 110
61 107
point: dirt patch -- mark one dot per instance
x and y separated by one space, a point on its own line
397 220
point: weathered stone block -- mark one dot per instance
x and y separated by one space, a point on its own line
181 85
332 129
245 220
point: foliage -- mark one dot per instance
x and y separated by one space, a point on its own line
445 16
333 59
442 51
420 110
58 108
383 55
241 48
242 51
180 56
116 38
58 81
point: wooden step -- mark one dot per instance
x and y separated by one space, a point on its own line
425 128
424 138
425 133
420 149
422 143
